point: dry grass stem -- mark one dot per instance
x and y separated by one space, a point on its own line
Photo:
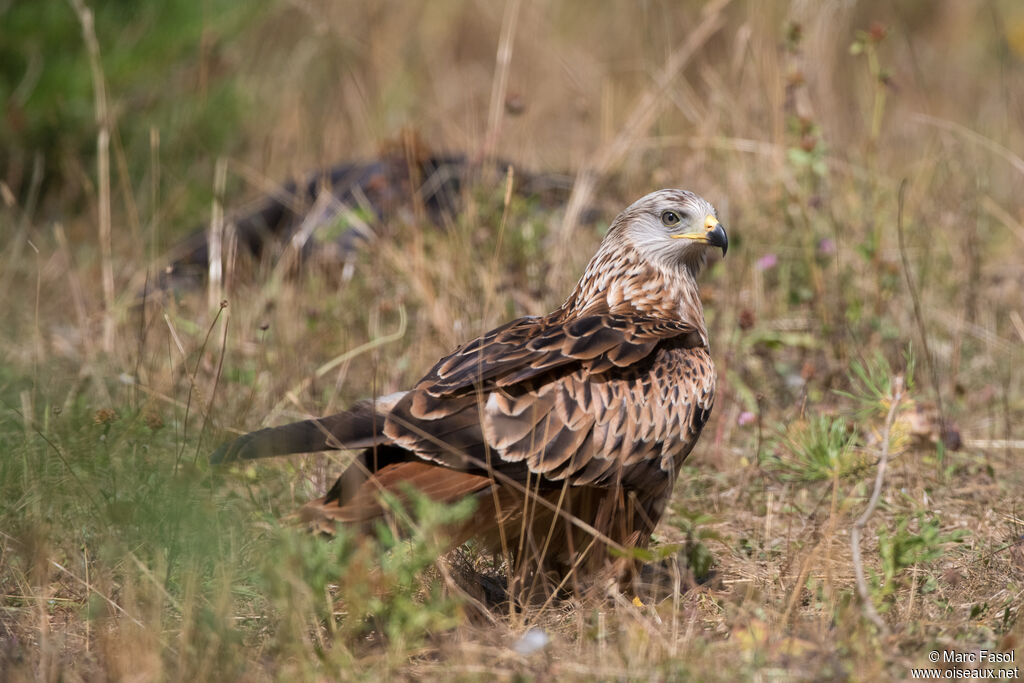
895 399
215 277
499 85
103 123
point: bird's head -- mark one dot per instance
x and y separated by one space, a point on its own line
672 228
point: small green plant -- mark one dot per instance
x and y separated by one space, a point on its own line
871 383
901 547
359 587
809 155
820 449
694 524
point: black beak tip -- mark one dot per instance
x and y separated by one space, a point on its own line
718 238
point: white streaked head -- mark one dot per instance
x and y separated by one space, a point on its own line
672 228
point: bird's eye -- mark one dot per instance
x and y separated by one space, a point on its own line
670 218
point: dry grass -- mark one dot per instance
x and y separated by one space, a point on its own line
123 555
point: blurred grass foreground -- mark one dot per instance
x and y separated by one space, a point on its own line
865 156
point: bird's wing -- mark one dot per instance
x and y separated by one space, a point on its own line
596 400
528 347
628 426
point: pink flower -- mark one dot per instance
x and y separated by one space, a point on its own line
767 262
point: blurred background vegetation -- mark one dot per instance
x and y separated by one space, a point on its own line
122 553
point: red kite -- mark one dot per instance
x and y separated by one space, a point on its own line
569 429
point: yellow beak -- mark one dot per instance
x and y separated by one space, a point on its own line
712 235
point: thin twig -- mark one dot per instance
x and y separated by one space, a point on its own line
499 86
1018 324
994 444
858 565
193 385
216 378
215 289
85 18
